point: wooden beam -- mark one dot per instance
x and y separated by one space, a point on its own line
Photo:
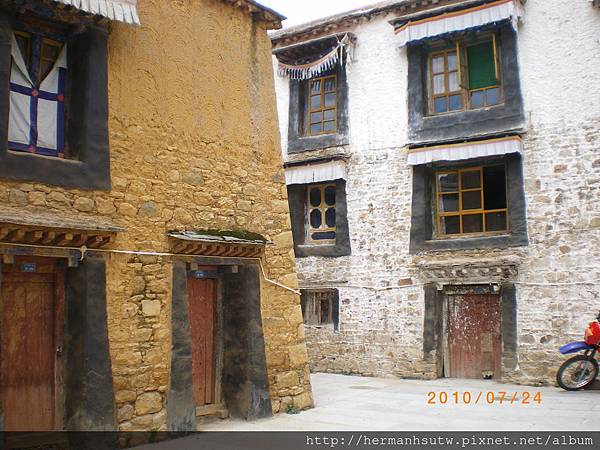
48 238
63 239
16 235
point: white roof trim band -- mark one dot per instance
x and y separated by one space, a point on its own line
315 173
119 10
467 150
459 21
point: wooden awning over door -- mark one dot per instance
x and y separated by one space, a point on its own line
20 228
217 245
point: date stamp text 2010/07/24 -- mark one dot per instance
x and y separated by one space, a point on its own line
484 397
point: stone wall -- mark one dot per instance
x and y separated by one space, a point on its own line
382 286
194 145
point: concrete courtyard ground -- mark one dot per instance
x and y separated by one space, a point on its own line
344 403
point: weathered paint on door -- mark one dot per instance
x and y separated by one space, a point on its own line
474 336
202 297
31 308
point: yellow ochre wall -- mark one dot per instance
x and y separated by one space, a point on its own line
194 145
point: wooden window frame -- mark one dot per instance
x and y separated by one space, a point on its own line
35 56
460 48
323 108
446 72
468 212
323 207
317 298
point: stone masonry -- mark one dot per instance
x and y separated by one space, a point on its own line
557 277
194 146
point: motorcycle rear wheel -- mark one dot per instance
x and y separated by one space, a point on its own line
576 373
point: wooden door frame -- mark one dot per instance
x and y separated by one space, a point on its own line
58 331
218 407
467 289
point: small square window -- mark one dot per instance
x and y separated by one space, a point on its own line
319 307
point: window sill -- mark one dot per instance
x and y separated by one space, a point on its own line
18 154
473 242
328 250
467 237
465 111
307 143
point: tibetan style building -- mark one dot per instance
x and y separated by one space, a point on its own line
443 169
147 272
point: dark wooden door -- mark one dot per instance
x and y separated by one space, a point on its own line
30 303
202 297
474 336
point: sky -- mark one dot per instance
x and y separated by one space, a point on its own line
300 11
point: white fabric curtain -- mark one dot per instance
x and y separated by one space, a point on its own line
467 150
119 10
459 21
317 67
36 118
316 173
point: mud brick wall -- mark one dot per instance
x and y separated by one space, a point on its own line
193 145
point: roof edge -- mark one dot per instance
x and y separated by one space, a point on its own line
260 12
404 7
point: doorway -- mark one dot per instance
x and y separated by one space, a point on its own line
204 307
31 319
474 337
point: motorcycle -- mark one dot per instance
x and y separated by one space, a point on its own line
579 372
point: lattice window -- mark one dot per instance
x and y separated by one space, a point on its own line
321 214
317 306
322 105
472 200
465 76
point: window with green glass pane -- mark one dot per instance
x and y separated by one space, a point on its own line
464 76
322 105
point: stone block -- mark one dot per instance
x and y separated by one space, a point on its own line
83 204
17 196
303 401
298 355
125 412
287 379
151 308
148 402
125 396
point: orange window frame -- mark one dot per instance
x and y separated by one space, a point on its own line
462 68
446 72
320 111
322 207
460 213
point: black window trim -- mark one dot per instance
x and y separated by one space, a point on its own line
297 195
298 140
87 126
506 116
423 213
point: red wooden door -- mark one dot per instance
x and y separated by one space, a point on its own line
474 337
30 311
202 298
